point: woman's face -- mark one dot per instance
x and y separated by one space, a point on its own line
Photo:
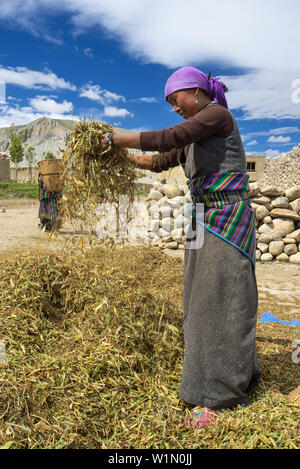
184 102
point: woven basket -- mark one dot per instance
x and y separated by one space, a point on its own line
51 172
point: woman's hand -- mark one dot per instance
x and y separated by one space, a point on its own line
103 140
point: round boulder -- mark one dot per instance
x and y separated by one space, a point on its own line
154 195
171 191
276 247
280 202
295 258
283 257
267 257
261 212
293 193
290 249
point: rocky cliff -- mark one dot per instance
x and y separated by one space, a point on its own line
43 134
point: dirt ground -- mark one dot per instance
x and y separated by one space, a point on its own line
278 283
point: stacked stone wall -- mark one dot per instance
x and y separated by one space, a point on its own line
277 220
283 171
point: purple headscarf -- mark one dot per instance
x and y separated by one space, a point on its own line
191 77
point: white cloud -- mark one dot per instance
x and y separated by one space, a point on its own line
261 36
20 115
264 94
27 78
253 142
88 52
96 93
279 139
49 106
258 35
272 153
145 100
112 111
266 133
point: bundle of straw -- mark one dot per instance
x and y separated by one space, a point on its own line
93 174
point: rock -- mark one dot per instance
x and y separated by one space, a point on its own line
295 206
154 225
154 195
276 247
290 249
267 219
156 241
181 221
166 211
295 235
3 210
261 212
188 197
289 241
177 234
181 246
165 235
280 202
171 245
176 202
261 200
263 247
273 191
279 225
265 238
295 258
253 189
184 188
254 206
267 257
258 254
163 201
176 212
157 186
282 257
293 193
154 212
284 213
167 224
171 191
186 229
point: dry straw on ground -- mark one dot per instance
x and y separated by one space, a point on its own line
94 175
94 352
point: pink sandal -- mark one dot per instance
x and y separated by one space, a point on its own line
201 417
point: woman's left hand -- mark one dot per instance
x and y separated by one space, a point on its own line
103 140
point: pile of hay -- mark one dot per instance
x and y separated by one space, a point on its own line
94 176
94 352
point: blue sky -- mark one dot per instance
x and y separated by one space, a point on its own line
111 59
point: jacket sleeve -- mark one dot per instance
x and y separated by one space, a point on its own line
164 161
211 121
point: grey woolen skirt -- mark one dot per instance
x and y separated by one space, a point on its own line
220 311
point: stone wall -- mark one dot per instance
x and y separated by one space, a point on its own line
4 168
23 175
284 170
277 219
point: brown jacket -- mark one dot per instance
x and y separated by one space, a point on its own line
212 121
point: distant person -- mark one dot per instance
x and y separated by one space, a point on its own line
49 210
219 292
